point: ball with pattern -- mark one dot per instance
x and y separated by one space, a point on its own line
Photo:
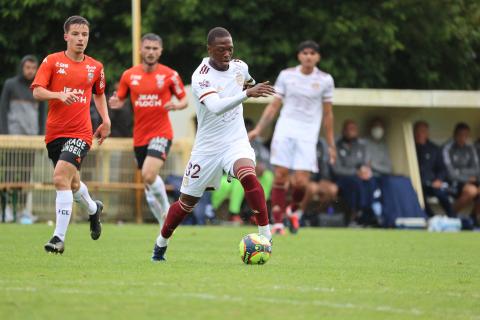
255 249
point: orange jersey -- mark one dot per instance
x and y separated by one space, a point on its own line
59 73
149 92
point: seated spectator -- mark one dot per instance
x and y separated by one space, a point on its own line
321 186
432 169
232 189
463 170
377 149
353 173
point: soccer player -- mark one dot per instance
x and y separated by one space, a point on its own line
306 94
151 86
221 144
67 80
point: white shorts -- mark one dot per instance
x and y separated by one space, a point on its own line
294 154
206 171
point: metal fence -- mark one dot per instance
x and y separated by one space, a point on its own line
109 171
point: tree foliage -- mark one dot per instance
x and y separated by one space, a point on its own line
427 44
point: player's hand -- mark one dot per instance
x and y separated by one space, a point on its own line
67 97
171 106
102 132
437 184
364 173
114 102
332 154
263 89
252 134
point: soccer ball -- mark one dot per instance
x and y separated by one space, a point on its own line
255 249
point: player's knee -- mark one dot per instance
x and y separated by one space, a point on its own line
281 177
333 190
149 176
61 182
470 191
75 185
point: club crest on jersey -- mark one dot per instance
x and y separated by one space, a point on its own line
90 70
240 79
204 84
160 80
316 85
135 79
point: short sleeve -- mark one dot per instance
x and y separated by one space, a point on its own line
177 87
248 78
44 74
328 91
202 87
99 85
280 86
123 87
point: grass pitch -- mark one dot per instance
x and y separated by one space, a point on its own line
318 274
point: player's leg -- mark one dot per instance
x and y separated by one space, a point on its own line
279 198
467 194
282 150
266 180
67 155
157 151
299 186
62 179
94 208
244 170
176 214
201 172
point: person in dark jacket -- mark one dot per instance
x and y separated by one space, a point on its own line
20 113
463 169
433 173
353 173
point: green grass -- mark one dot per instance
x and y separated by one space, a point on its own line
319 274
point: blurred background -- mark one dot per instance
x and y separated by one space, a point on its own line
394 62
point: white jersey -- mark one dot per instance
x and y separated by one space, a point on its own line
303 97
216 133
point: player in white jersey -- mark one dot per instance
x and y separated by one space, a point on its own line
221 144
306 94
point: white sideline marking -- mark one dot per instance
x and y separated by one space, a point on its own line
228 298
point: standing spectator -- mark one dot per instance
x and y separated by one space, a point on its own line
463 170
353 173
21 114
377 149
432 169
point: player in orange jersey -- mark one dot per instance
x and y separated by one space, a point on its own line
67 80
151 86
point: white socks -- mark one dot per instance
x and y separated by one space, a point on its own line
155 206
83 198
158 190
161 241
265 231
63 206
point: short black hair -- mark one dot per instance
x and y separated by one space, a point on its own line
460 127
420 123
217 32
152 37
308 44
74 20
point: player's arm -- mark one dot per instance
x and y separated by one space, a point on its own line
180 105
328 127
42 94
115 102
103 131
218 105
267 117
